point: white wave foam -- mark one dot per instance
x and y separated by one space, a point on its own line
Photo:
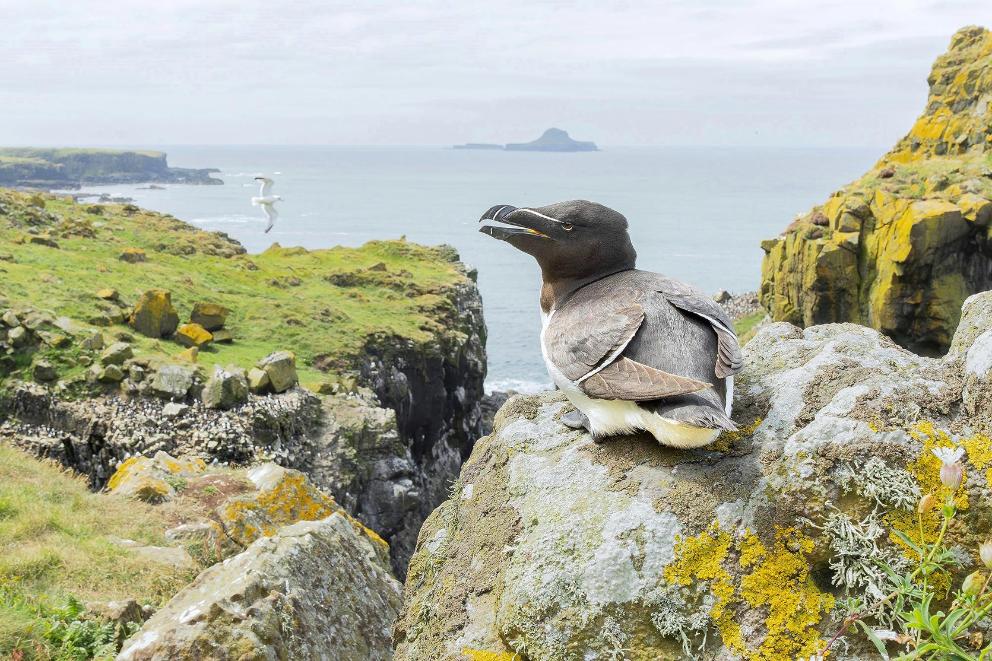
237 219
519 385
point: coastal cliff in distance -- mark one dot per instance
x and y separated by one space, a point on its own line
901 248
32 167
551 140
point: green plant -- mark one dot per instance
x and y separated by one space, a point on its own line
916 614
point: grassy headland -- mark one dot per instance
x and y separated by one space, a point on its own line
324 305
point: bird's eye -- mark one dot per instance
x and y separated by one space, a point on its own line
567 227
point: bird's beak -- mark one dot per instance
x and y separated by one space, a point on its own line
496 224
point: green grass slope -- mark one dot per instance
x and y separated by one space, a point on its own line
322 304
57 550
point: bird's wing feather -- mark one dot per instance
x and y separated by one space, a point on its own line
577 347
629 380
270 211
729 359
266 186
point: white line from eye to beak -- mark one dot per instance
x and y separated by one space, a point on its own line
539 215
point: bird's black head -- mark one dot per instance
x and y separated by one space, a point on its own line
570 240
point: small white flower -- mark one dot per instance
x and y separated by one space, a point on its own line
948 456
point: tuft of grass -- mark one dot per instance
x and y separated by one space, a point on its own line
746 324
56 549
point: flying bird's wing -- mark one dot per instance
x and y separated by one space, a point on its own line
265 186
271 214
729 359
588 351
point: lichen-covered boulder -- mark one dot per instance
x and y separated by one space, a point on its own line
226 388
154 314
555 547
281 496
193 335
153 479
901 248
280 367
209 315
133 255
315 590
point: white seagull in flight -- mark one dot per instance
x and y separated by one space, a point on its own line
267 201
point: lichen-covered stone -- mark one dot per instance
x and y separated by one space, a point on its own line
908 242
153 479
316 590
209 315
555 547
154 315
280 366
193 335
282 496
133 255
226 388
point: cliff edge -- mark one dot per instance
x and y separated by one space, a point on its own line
901 248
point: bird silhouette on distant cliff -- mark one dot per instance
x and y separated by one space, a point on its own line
267 201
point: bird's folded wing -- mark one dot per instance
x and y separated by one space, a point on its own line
632 381
579 339
729 360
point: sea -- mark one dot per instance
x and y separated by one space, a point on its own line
695 213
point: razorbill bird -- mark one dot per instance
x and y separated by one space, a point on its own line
267 201
632 350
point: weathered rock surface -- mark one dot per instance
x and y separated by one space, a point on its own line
209 315
316 590
558 548
900 249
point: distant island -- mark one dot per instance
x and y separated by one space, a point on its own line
550 140
31 167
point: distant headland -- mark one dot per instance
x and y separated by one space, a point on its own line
550 140
33 167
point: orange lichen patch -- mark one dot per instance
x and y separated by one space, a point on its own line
148 478
979 449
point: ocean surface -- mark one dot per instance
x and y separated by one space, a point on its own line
695 213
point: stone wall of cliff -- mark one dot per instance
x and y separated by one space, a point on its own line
901 248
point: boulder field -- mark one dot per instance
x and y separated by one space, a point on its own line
554 547
901 248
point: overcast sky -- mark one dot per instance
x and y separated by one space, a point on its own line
711 72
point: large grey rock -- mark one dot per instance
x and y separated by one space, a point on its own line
558 548
116 354
316 590
280 367
225 389
172 381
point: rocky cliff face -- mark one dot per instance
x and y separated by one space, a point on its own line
901 248
554 547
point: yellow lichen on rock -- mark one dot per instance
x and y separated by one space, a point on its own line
902 247
152 479
482 655
777 581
